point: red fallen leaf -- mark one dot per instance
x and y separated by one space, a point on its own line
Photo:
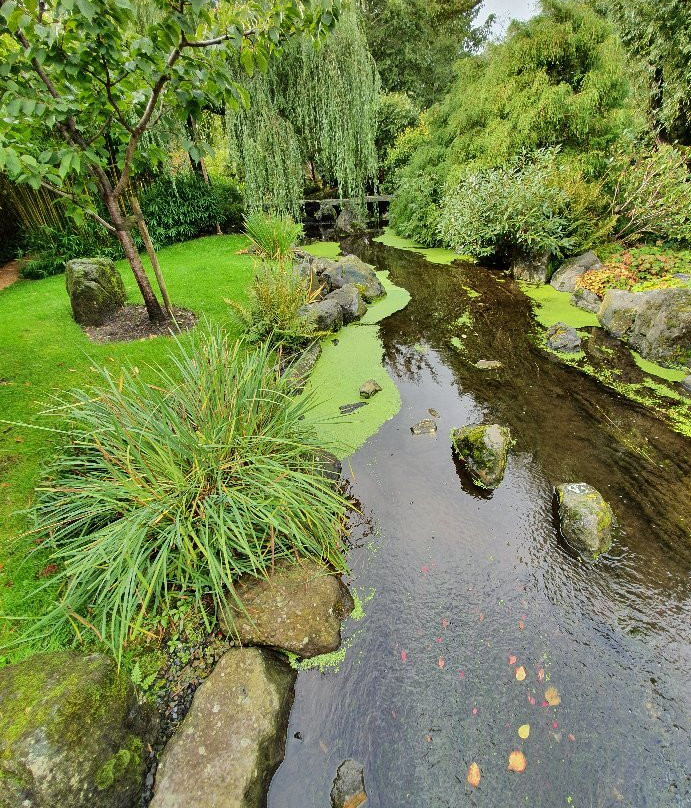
442 662
541 675
393 713
474 775
474 710
428 738
532 700
512 660
544 704
425 569
461 674
521 625
555 725
438 639
404 656
48 570
482 617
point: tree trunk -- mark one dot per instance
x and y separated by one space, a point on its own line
151 252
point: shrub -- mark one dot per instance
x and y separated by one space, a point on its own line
276 295
397 112
638 269
50 248
274 237
177 485
525 207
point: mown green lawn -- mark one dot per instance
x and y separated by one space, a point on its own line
43 352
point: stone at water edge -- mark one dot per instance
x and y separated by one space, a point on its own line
488 364
425 427
299 369
347 409
563 338
325 315
350 300
95 289
370 388
298 608
564 279
484 449
350 269
232 740
348 790
686 384
532 269
586 520
329 466
72 734
586 299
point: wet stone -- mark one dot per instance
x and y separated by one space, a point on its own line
425 427
586 520
370 388
564 279
563 338
488 364
586 300
348 790
346 409
686 384
433 412
483 448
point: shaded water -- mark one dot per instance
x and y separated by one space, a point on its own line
463 580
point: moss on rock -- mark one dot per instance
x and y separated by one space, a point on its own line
484 449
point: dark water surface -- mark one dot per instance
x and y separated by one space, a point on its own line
465 580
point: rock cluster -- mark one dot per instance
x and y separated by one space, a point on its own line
95 288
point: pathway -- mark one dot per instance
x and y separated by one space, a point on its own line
9 273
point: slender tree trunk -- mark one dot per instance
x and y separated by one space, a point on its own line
151 252
153 307
200 166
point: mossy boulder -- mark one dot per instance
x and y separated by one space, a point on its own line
324 315
561 337
350 300
233 737
586 299
72 734
586 521
484 449
351 270
95 288
564 279
298 608
532 268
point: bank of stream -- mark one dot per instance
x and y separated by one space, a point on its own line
457 582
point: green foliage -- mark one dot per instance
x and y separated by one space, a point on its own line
50 248
519 208
638 269
274 236
415 43
397 113
180 485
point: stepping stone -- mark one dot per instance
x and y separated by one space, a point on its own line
425 427
369 389
488 364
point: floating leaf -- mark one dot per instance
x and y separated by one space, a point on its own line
404 656
474 710
445 624
571 737
552 696
516 761
521 625
541 675
512 660
524 731
474 775
520 673
442 662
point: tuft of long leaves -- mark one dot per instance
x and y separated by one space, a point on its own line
273 236
180 484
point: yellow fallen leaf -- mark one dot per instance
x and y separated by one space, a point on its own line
520 673
474 775
524 731
516 761
552 696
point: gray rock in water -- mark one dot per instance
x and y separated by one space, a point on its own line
657 324
532 269
298 608
484 449
95 288
350 300
686 384
682 276
329 465
72 734
586 520
563 338
351 269
586 300
324 315
348 790
564 279
369 389
425 427
233 737
488 364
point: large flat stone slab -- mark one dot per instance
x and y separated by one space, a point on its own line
233 738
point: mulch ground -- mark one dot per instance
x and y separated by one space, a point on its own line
9 273
132 323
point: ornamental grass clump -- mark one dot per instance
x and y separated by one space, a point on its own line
175 486
274 237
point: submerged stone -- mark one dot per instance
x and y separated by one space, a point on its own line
299 369
348 790
95 288
72 734
586 300
350 300
532 269
587 522
564 279
563 338
488 364
298 608
425 427
346 409
370 388
329 465
233 738
686 384
483 448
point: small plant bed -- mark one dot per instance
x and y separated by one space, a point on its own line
637 270
132 323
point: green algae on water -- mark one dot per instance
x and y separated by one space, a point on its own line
323 249
556 307
435 255
670 374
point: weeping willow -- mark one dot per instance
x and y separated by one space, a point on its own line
316 106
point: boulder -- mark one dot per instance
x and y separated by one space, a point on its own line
425 427
350 300
586 520
348 790
351 269
686 384
329 465
586 300
348 221
298 371
369 389
95 289
298 608
563 338
564 279
532 269
483 448
72 734
232 740
488 364
657 324
324 315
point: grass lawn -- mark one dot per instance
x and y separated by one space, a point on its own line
43 351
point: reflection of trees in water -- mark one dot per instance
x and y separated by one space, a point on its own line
409 362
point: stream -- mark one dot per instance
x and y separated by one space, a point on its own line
456 582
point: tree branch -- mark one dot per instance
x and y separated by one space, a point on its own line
54 189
